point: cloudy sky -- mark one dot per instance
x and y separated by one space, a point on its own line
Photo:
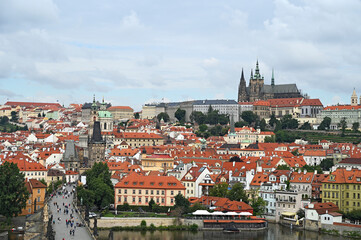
134 52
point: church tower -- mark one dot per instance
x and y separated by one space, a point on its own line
242 93
256 84
96 146
354 98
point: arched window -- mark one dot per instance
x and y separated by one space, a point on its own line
105 126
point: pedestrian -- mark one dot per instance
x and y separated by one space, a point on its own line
70 232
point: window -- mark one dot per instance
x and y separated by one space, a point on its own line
146 200
171 192
119 191
140 200
157 192
125 191
133 191
133 199
38 190
146 191
162 192
140 191
171 200
151 192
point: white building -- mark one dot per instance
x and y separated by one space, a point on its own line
228 107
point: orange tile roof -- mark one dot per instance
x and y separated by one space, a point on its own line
341 175
135 180
120 108
301 177
342 107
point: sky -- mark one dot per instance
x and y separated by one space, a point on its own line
137 52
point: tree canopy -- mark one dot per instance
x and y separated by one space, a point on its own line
164 116
236 193
180 114
99 191
249 117
219 190
325 124
13 193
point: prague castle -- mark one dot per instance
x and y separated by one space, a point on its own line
257 90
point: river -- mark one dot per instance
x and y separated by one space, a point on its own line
274 232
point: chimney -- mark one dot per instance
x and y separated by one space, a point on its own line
304 172
234 163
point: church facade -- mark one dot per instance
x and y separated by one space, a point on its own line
258 90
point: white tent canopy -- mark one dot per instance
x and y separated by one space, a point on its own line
218 213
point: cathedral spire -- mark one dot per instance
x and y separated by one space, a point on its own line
257 69
242 76
251 73
273 77
94 98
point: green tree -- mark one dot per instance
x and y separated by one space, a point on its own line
325 124
262 124
14 116
197 206
164 116
13 193
326 164
182 203
203 127
136 115
198 117
355 126
258 204
288 122
85 196
151 204
237 193
269 139
300 213
306 126
223 119
180 115
4 120
343 125
99 183
219 190
273 120
212 117
240 124
249 117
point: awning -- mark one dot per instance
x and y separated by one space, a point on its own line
201 212
245 214
288 214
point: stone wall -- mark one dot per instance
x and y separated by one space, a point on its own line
192 221
108 222
341 227
312 225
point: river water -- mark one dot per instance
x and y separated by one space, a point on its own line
274 232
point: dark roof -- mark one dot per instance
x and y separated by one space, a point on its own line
55 173
215 102
97 134
69 151
351 161
227 145
89 105
281 88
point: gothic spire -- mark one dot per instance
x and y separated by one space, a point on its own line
242 76
257 68
94 98
251 73
273 77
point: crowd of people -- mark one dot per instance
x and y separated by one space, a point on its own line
59 200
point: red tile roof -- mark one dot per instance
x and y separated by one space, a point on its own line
135 180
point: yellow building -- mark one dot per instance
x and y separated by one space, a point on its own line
136 189
121 112
343 188
157 162
139 139
36 199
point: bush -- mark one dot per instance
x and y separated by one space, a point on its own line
143 224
